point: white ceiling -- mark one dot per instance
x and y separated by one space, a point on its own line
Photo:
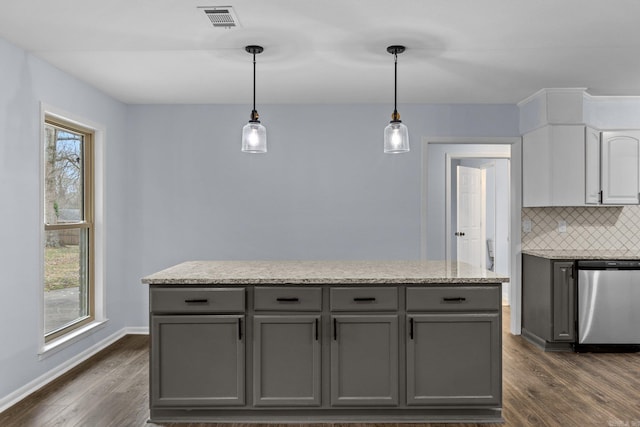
330 51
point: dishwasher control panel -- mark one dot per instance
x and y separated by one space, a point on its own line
609 264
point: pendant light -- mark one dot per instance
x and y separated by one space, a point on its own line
254 135
396 134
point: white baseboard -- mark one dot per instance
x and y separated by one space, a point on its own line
13 398
136 330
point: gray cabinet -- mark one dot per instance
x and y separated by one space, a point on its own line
325 353
548 302
363 299
292 299
563 301
454 346
286 360
197 360
453 358
197 354
364 360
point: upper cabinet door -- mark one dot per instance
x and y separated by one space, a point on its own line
567 158
536 168
620 167
592 164
553 166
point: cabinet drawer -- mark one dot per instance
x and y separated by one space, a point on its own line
287 299
363 299
456 298
197 300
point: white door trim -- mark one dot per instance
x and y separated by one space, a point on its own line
515 237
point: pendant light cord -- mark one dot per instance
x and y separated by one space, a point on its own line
395 82
254 50
254 81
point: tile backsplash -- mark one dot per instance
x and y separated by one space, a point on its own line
602 228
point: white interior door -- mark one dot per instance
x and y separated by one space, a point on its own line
471 212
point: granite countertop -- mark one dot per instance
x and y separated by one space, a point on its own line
576 254
321 272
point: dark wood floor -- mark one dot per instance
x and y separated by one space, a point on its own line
540 389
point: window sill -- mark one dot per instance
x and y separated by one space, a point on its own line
65 341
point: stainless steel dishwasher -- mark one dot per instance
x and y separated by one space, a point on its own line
608 305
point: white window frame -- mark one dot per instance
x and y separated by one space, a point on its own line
99 132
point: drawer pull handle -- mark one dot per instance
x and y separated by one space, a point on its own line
196 301
454 299
288 299
364 299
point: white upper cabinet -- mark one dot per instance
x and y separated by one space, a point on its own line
566 163
620 163
553 166
569 165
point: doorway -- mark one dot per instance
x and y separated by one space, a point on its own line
500 159
478 214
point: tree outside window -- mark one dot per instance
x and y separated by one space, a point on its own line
68 228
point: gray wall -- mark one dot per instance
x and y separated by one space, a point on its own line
178 188
325 189
24 82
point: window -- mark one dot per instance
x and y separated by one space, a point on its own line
69 292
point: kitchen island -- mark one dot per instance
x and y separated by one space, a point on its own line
320 341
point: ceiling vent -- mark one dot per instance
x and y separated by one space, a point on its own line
221 16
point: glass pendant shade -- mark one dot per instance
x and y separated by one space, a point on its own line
254 138
396 138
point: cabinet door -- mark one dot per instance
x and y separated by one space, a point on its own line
563 302
553 166
567 165
454 359
197 360
364 360
592 164
536 168
286 360
620 167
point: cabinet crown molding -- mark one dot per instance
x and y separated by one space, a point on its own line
552 106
